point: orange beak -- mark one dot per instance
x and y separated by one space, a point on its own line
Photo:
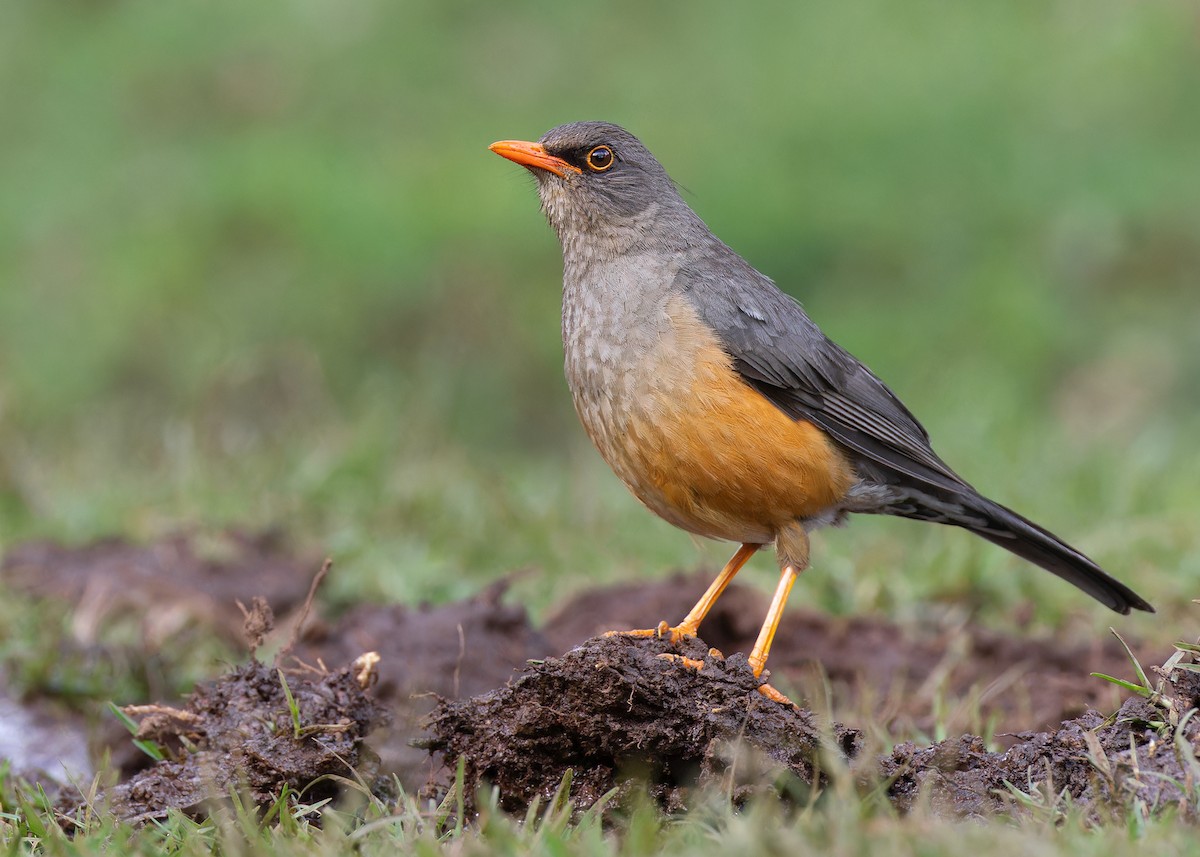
533 155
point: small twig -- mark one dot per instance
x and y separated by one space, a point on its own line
462 651
302 667
304 611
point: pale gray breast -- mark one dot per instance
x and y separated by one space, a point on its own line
614 316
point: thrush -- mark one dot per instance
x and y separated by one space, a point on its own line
717 400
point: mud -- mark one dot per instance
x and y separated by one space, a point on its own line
621 714
611 711
182 581
1144 755
615 711
238 733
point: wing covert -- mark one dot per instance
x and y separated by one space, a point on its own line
781 352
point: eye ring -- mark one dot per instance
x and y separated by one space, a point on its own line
601 159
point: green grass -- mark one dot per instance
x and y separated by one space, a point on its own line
837 822
257 267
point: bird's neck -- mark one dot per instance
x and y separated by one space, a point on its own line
586 242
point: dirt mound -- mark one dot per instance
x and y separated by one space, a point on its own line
613 708
615 711
1144 755
248 730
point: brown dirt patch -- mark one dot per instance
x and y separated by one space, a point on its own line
614 713
1108 765
184 580
610 710
238 732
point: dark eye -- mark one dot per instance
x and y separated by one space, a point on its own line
600 159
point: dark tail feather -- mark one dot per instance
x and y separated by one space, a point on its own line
1041 547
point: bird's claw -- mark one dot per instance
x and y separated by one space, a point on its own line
766 690
673 634
775 696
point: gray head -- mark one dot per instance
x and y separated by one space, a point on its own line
602 190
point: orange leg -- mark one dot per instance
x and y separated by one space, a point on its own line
791 545
762 646
691 622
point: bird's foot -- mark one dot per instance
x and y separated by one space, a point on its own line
766 690
674 634
775 696
692 663
671 633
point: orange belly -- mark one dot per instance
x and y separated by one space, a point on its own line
712 455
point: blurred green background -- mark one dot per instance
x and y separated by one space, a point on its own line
257 267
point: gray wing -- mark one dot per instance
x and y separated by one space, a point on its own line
778 350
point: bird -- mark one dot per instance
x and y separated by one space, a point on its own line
716 399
